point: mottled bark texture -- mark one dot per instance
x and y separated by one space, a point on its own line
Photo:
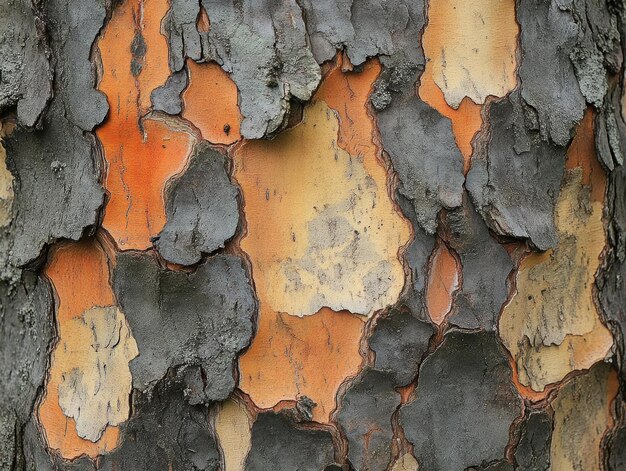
325 235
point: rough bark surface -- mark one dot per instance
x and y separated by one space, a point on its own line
325 235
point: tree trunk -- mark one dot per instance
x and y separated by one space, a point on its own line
312 235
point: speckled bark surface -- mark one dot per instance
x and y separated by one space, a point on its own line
325 235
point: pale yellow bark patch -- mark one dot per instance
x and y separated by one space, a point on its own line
551 326
470 47
96 383
405 463
321 227
233 425
582 415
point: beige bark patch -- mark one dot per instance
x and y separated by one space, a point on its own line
317 206
322 230
6 188
233 428
552 326
582 415
96 384
470 48
405 463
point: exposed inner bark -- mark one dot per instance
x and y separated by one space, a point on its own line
358 235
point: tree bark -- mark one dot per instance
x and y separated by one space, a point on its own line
312 235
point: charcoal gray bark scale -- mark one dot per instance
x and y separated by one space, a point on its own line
486 266
167 98
464 404
365 417
200 319
25 70
533 450
280 443
56 172
548 82
515 180
423 151
165 432
26 333
416 257
202 209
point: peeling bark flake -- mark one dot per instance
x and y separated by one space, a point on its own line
96 382
551 326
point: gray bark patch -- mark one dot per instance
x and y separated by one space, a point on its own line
279 444
365 417
167 97
183 36
514 186
26 333
182 319
263 46
25 73
423 151
533 450
399 341
57 193
365 411
486 267
464 401
202 209
366 28
548 36
416 257
165 433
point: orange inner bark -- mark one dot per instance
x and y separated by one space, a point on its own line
211 103
443 281
309 356
79 273
141 154
582 153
